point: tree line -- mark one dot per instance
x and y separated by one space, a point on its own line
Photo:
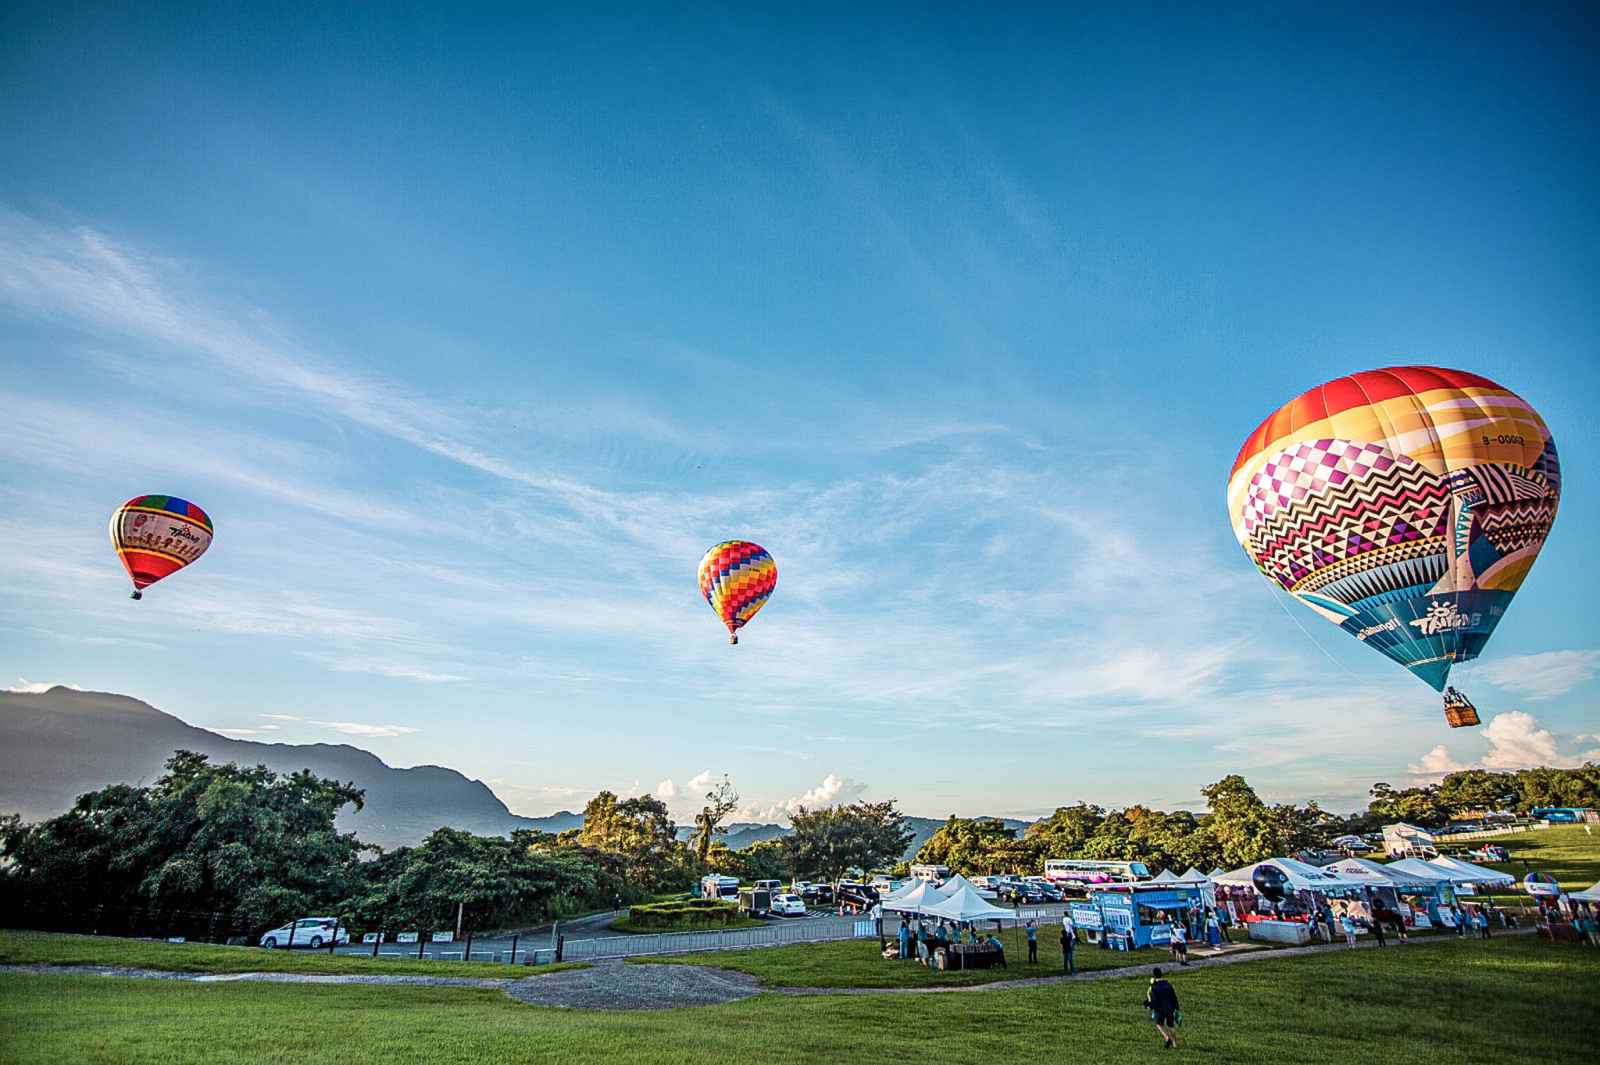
255 847
1239 828
249 848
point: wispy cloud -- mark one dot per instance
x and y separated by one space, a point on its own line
262 731
357 728
1538 677
395 670
24 686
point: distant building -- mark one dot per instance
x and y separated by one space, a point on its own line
1402 840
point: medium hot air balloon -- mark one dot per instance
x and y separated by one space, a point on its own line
1405 505
737 578
156 536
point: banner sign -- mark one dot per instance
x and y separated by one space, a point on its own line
405 937
1085 915
372 937
444 937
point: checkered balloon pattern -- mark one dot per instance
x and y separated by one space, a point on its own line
737 578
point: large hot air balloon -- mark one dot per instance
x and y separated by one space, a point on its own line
156 536
1405 505
737 578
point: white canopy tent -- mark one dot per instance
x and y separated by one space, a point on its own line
965 904
955 882
1192 875
916 899
1380 875
1588 894
1166 876
1420 869
1302 877
1461 872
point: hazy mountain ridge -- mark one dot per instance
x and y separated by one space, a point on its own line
59 744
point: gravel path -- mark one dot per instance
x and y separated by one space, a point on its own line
267 978
618 986
610 986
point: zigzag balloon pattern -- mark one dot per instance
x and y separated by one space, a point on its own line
1405 505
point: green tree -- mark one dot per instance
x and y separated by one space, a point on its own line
830 841
246 843
978 847
1240 825
1064 833
721 801
639 837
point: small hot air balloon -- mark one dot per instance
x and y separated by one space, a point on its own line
737 578
1270 881
1406 506
156 536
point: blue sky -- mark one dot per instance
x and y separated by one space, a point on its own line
472 332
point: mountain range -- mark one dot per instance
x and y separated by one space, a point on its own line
58 744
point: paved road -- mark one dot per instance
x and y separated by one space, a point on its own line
538 940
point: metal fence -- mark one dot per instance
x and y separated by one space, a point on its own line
776 933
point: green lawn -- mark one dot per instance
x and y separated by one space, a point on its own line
1465 1003
858 963
1564 852
31 948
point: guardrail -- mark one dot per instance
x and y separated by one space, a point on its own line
777 933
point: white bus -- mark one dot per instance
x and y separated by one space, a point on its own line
1081 873
719 887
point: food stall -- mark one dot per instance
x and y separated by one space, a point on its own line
1279 898
1145 910
1471 879
965 906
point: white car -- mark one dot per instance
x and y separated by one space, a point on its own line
312 932
787 905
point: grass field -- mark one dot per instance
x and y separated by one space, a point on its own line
857 963
32 948
1564 851
1511 999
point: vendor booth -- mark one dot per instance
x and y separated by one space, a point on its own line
1279 898
1391 889
1471 879
1144 911
964 906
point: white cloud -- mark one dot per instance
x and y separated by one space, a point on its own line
263 730
356 728
1436 763
1515 742
666 791
701 781
396 670
1541 676
24 686
281 717
833 791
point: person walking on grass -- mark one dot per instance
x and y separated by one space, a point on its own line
1069 942
1162 1002
1032 932
905 939
1349 928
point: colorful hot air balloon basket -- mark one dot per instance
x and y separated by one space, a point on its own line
737 578
1415 539
155 536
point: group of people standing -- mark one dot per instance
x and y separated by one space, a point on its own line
922 943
